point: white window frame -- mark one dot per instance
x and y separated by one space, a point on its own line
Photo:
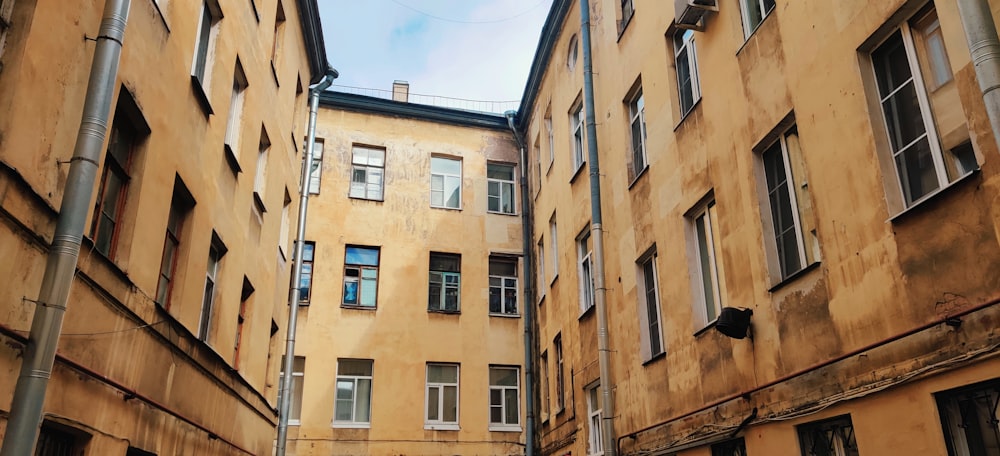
544 368
637 114
260 178
236 103
440 424
374 173
503 389
773 242
585 271
441 306
560 375
504 286
704 243
316 173
749 28
541 268
445 178
215 253
691 59
595 441
930 131
296 392
650 315
578 136
504 186
211 10
551 136
554 234
354 379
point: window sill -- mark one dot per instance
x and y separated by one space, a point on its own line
501 315
642 172
232 160
654 358
687 114
258 202
201 96
442 427
459 209
445 312
351 425
357 307
623 25
508 214
579 170
274 72
505 429
359 198
541 299
587 312
705 329
795 275
293 422
552 282
920 204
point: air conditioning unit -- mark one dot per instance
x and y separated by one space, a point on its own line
689 13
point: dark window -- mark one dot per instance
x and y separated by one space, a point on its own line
833 437
114 187
180 206
445 282
735 447
503 286
969 419
305 281
361 276
215 252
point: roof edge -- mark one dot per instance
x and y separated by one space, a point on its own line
543 54
312 32
374 105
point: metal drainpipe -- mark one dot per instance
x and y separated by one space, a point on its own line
529 360
597 234
285 400
60 266
981 33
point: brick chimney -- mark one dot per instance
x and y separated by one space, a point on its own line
400 91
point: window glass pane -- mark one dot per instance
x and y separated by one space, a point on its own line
433 401
437 373
450 412
502 172
903 117
510 400
892 67
362 256
368 289
359 367
297 384
444 262
503 377
350 291
307 251
360 156
916 171
503 268
446 166
363 399
376 157
453 192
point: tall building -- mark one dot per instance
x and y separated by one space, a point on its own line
171 341
829 166
410 336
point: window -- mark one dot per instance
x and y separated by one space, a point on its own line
54 441
354 393
283 231
554 235
560 382
446 182
215 252
790 217
627 10
445 282
233 130
442 397
970 421
316 172
572 53
279 27
637 121
241 318
361 276
540 256
595 445
584 248
114 187
649 307
708 292
736 447
305 282
500 188
503 286
576 119
833 437
505 414
180 206
367 171
208 29
133 451
754 12
260 179
686 65
298 383
928 136
544 368
6 11
551 135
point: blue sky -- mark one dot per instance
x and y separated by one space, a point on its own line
472 49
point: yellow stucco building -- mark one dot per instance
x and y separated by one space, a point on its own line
172 338
827 165
411 339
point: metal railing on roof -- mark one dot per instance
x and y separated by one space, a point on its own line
492 107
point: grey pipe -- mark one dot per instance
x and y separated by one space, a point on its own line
529 360
60 266
981 33
285 398
597 234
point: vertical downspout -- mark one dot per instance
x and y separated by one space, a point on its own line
529 301
981 33
597 234
284 401
60 265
